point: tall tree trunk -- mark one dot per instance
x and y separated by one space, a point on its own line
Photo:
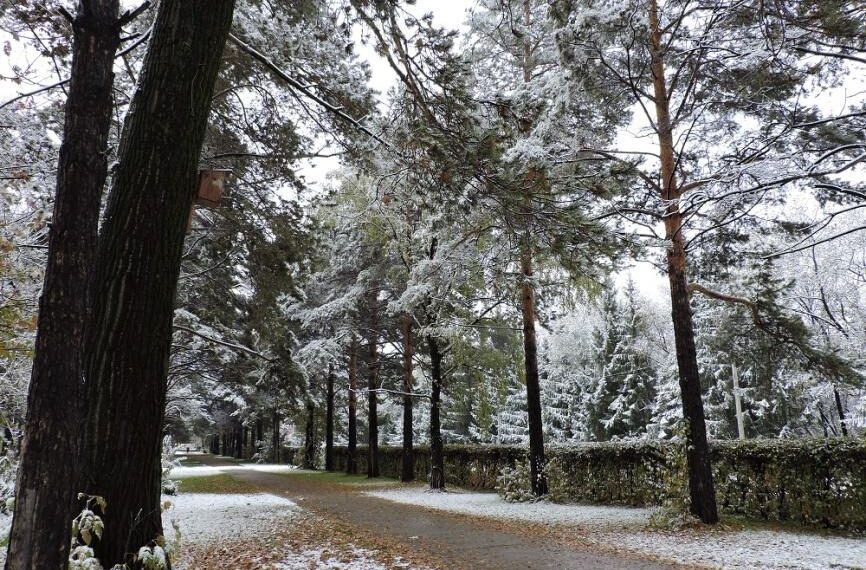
538 481
408 459
843 425
437 455
310 437
260 434
373 407
245 442
276 440
533 390
137 268
352 448
329 422
45 492
701 489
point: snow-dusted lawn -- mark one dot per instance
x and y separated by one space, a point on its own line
335 559
625 529
183 472
492 506
205 517
750 549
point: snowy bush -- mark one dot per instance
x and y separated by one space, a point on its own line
513 483
88 526
169 486
8 469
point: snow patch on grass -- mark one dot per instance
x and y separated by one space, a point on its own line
492 506
183 472
204 517
327 557
772 550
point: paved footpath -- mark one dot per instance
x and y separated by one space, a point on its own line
462 542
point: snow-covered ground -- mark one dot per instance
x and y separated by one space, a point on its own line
492 506
205 470
750 549
341 559
209 517
625 529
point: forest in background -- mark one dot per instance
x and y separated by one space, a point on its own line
465 275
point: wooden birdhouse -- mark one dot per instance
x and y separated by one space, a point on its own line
211 185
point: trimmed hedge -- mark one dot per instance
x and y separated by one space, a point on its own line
812 481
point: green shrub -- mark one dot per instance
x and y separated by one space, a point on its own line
513 484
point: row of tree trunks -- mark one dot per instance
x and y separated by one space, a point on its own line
352 447
701 489
407 472
49 457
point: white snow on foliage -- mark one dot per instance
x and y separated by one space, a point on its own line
5 526
210 517
327 557
492 506
625 529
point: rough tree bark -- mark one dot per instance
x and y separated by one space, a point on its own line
40 534
373 406
352 447
128 334
701 489
437 456
408 459
329 422
260 434
276 441
533 391
840 410
310 437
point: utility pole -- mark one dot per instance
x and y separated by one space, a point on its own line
738 404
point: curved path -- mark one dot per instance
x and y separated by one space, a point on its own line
469 543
